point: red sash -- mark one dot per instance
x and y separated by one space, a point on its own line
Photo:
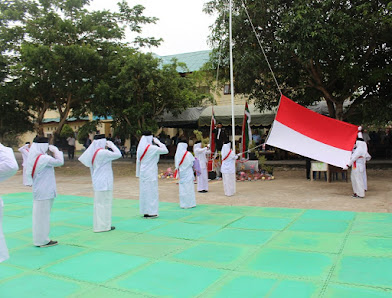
144 153
182 160
94 156
35 164
355 162
228 154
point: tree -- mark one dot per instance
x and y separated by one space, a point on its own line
67 131
15 117
138 89
85 130
319 50
54 50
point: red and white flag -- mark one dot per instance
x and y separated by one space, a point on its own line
302 131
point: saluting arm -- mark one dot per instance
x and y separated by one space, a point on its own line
116 152
162 147
58 159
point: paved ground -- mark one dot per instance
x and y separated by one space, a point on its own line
208 251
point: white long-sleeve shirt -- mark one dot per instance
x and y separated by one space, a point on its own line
147 169
8 164
200 154
44 181
101 171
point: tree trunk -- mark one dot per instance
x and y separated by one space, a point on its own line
38 125
63 114
339 110
331 109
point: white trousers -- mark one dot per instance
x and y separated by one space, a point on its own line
357 182
102 210
364 179
148 197
25 179
41 221
229 184
202 180
3 246
187 194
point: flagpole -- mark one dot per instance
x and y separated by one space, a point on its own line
231 79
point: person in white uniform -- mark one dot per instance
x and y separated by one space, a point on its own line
228 169
8 168
361 134
40 173
367 158
183 161
357 161
99 160
24 150
147 158
201 155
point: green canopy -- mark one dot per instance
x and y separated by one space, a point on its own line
223 115
189 117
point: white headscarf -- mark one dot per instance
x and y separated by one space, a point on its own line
196 146
87 157
181 149
143 143
225 150
35 150
360 148
141 147
8 164
200 154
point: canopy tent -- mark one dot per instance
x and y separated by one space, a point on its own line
189 118
223 115
201 116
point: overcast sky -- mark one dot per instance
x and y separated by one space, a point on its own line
182 24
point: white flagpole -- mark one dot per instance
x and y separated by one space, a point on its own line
231 80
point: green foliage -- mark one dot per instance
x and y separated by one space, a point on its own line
56 51
15 117
67 131
85 130
199 137
319 50
137 89
11 140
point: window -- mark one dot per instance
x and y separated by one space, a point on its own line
204 89
227 89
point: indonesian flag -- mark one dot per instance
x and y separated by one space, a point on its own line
212 134
246 131
302 131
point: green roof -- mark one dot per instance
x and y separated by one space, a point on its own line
194 60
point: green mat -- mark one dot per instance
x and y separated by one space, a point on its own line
207 251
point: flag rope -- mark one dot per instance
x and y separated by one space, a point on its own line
262 49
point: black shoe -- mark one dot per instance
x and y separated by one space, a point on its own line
150 216
50 243
112 228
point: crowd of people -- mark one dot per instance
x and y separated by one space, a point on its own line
38 172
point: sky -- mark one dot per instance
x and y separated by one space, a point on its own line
182 24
